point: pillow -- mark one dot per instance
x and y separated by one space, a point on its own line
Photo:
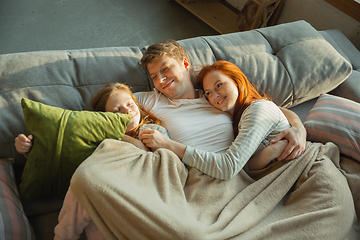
335 119
14 224
62 140
292 63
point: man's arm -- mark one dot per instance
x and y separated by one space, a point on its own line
296 135
265 156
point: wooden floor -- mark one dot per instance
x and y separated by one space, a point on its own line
215 14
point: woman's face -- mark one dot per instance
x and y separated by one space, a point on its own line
221 91
121 102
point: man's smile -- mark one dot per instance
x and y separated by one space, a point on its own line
168 84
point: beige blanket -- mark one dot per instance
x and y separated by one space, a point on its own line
133 194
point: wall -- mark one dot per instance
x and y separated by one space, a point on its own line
320 14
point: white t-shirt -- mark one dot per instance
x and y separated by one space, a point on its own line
260 122
192 122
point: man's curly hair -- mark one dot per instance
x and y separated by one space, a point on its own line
169 48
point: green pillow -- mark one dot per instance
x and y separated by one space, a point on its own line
62 140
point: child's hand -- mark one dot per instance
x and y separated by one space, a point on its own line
23 144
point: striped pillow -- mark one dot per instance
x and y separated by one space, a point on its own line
14 225
335 119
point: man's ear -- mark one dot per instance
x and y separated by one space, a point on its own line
186 63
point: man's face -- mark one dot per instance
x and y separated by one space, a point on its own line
171 77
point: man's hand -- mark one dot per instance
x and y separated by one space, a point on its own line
296 135
23 144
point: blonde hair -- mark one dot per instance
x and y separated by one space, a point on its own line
99 100
169 48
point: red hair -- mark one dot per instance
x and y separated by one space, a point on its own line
99 100
247 91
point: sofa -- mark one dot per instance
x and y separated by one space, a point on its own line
293 63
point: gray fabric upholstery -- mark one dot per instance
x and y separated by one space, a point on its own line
343 46
351 87
292 63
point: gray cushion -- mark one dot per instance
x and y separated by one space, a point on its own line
291 62
343 45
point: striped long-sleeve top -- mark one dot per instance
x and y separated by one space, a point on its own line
260 122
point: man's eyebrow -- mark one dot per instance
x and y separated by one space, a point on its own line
160 67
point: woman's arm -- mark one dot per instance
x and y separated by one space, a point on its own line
262 119
155 140
296 135
256 125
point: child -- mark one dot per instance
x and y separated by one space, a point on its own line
109 99
117 98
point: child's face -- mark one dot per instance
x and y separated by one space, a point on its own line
221 91
121 102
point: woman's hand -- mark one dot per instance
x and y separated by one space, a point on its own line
23 144
155 140
296 135
135 142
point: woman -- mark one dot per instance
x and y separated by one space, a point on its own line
256 122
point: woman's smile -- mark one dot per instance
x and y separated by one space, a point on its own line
221 100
